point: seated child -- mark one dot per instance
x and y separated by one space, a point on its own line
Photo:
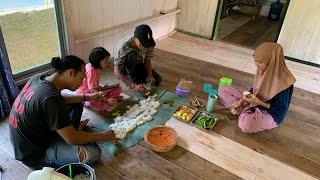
266 106
98 61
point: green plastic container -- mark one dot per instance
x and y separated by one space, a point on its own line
224 81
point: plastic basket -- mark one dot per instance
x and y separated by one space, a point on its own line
182 92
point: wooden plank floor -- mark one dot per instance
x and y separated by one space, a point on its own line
235 57
254 32
232 156
230 24
295 143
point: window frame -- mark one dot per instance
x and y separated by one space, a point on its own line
23 76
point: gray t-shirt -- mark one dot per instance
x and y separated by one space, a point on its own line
38 111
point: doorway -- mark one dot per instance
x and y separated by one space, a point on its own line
249 23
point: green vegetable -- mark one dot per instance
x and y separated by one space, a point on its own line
210 123
205 122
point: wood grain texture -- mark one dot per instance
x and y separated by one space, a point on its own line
300 31
192 15
144 8
197 16
236 57
238 159
107 13
90 16
253 32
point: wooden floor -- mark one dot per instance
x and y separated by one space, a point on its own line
235 57
295 143
253 33
230 24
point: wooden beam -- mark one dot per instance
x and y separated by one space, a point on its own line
85 37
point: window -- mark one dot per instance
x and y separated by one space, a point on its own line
31 33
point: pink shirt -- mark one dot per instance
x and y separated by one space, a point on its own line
91 81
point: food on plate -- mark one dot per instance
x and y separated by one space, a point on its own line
184 113
205 122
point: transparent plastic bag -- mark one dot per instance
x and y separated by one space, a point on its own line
185 85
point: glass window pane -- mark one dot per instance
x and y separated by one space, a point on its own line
30 32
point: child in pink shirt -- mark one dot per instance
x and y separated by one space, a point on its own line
98 61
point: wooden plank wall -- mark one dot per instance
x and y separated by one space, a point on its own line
88 16
197 16
300 33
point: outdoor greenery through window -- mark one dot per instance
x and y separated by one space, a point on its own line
30 32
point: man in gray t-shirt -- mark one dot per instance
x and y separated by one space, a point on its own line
45 127
132 61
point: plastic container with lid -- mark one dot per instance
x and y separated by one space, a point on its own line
224 81
183 88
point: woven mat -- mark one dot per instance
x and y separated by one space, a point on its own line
135 136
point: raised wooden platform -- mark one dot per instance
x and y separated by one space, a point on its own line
234 157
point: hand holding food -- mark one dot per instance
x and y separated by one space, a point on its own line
140 88
96 96
253 100
247 94
109 136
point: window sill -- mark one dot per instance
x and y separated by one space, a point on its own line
22 77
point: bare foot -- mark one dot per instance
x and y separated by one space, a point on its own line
83 123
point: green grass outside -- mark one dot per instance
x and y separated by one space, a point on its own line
31 38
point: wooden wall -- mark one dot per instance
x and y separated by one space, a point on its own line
300 33
197 16
92 23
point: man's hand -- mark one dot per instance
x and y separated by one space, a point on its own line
96 96
109 136
140 88
150 79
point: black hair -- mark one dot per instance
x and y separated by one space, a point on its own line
98 54
68 62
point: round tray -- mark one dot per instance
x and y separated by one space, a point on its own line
165 148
